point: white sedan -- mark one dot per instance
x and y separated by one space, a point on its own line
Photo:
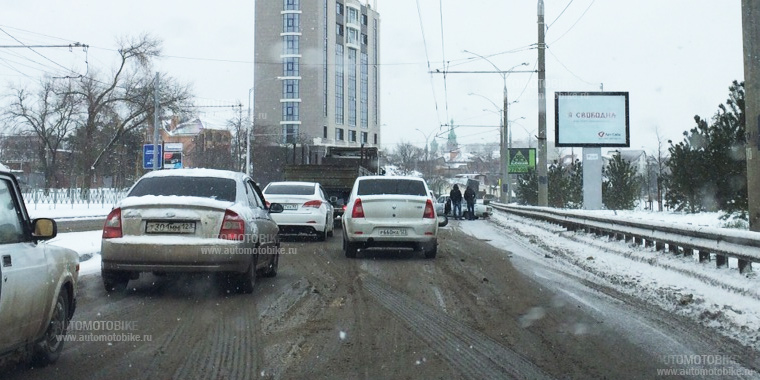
306 208
481 210
390 211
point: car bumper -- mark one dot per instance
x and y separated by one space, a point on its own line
372 234
301 222
149 254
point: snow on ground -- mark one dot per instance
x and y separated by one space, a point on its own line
62 210
87 244
722 299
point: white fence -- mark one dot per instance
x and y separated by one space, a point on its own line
102 197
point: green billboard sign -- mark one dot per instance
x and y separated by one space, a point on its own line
521 160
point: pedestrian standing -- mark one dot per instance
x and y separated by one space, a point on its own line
469 197
456 201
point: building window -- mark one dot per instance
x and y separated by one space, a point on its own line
292 5
290 67
289 133
352 16
339 116
339 29
353 36
291 45
339 8
364 39
324 132
365 137
338 134
290 23
375 139
352 136
364 19
364 91
352 87
290 111
290 89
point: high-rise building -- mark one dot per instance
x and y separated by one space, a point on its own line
316 73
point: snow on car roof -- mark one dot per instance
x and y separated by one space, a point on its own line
390 177
198 172
292 183
147 200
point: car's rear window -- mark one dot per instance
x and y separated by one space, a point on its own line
391 186
222 189
289 189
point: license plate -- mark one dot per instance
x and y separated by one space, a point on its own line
170 228
392 232
290 206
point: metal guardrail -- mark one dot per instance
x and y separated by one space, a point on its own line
706 242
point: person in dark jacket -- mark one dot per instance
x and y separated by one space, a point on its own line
456 201
469 197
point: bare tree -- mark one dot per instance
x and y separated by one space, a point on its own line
660 167
406 157
49 116
124 101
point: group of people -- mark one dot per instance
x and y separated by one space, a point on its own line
455 197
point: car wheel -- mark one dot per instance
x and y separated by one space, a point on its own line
49 348
331 232
349 249
272 269
114 281
245 282
431 251
322 236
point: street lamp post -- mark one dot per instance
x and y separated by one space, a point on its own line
504 142
248 134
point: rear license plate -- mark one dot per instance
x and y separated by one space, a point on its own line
290 206
392 232
170 228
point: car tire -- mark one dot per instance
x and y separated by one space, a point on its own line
322 236
48 350
273 265
349 249
245 282
114 281
431 251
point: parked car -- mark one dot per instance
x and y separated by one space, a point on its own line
306 208
481 210
38 290
390 211
191 220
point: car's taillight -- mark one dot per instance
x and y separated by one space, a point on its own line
233 226
429 210
358 210
112 228
315 203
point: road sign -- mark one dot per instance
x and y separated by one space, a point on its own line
148 156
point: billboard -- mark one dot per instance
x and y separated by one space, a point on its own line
591 119
522 160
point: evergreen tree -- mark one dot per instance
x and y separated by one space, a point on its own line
708 169
558 185
526 190
620 186
575 185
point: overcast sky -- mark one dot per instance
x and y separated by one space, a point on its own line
676 58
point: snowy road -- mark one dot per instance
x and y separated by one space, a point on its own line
495 303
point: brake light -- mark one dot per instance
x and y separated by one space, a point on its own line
358 210
112 228
267 204
233 226
315 203
429 210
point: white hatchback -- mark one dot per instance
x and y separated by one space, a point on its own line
306 208
390 211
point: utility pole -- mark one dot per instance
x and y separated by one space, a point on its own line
751 36
504 159
156 121
543 180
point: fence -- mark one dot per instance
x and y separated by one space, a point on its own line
101 197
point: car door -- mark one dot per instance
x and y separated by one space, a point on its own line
26 288
267 226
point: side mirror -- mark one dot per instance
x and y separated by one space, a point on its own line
443 220
44 229
275 208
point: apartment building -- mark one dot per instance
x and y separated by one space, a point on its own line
316 73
